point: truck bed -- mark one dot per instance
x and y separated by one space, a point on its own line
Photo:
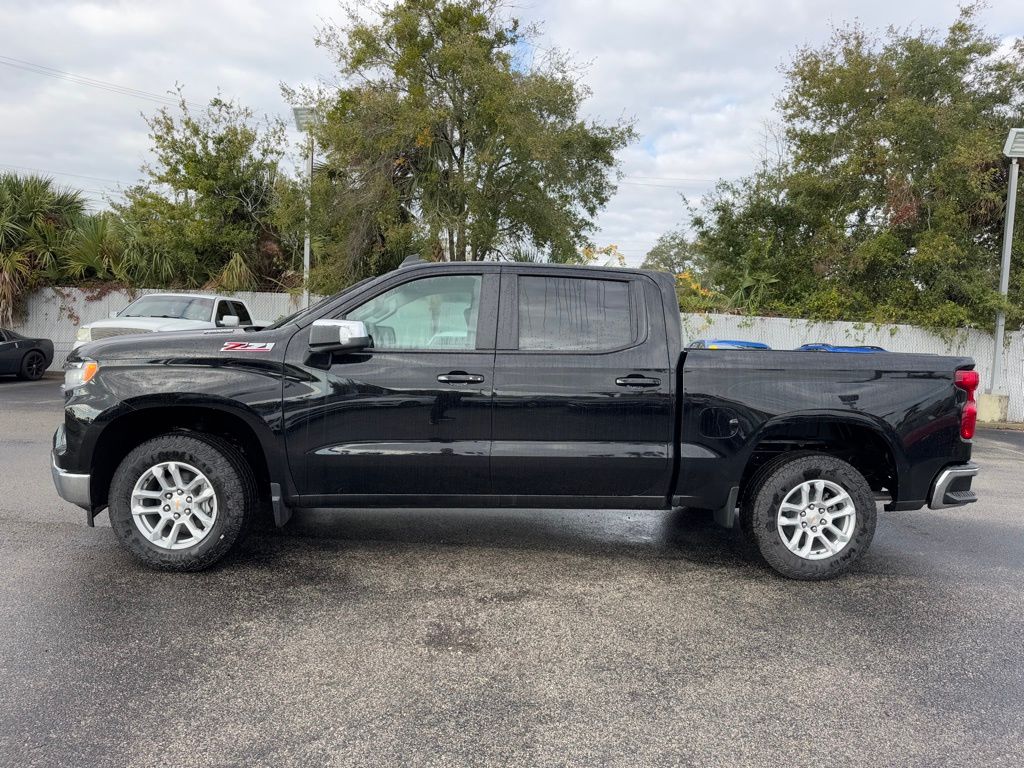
731 404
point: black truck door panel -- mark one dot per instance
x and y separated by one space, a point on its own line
412 415
582 387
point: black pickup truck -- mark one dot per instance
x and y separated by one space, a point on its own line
485 384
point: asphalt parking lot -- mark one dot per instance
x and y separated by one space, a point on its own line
505 638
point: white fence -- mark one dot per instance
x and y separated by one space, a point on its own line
785 333
56 313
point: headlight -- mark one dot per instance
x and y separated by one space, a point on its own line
84 334
78 374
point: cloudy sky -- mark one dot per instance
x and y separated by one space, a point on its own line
699 77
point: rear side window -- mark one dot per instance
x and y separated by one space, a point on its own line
574 314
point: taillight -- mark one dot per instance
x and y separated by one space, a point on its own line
968 382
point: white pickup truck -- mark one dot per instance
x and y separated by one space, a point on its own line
156 312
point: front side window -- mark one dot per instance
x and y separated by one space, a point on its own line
241 313
573 314
432 313
224 309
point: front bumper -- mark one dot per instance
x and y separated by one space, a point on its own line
952 487
72 487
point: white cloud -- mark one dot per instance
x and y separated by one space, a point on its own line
699 77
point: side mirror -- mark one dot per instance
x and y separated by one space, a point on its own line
114 314
338 335
229 321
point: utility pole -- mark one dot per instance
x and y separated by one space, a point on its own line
1014 149
309 206
304 117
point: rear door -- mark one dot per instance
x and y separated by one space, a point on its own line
583 390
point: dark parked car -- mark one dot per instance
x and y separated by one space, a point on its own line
859 349
726 344
516 385
22 357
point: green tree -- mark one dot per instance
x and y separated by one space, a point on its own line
887 200
39 225
445 140
672 253
205 213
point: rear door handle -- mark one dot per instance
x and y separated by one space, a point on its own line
636 380
460 377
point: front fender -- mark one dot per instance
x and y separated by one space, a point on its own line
246 390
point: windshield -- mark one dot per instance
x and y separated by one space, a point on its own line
163 305
313 308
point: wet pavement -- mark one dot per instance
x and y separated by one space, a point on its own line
505 638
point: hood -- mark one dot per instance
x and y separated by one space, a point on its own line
146 324
181 345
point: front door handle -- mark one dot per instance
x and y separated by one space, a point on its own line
636 380
460 377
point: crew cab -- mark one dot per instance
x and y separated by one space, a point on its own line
162 312
521 385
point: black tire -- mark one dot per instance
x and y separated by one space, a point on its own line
229 474
766 493
33 366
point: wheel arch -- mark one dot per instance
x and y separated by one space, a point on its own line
143 421
866 443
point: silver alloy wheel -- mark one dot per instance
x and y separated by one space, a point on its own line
174 505
816 519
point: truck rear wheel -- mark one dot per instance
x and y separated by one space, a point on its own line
181 501
811 515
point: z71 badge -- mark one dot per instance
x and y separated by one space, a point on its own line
247 346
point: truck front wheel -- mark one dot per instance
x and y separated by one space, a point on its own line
181 501
811 515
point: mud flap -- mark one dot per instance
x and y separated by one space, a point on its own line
282 512
725 515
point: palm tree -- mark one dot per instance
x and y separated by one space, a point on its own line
38 221
94 248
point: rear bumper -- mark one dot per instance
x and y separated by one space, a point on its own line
952 487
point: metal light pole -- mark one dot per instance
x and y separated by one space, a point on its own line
1014 149
304 117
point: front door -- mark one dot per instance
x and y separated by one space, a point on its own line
583 389
411 416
